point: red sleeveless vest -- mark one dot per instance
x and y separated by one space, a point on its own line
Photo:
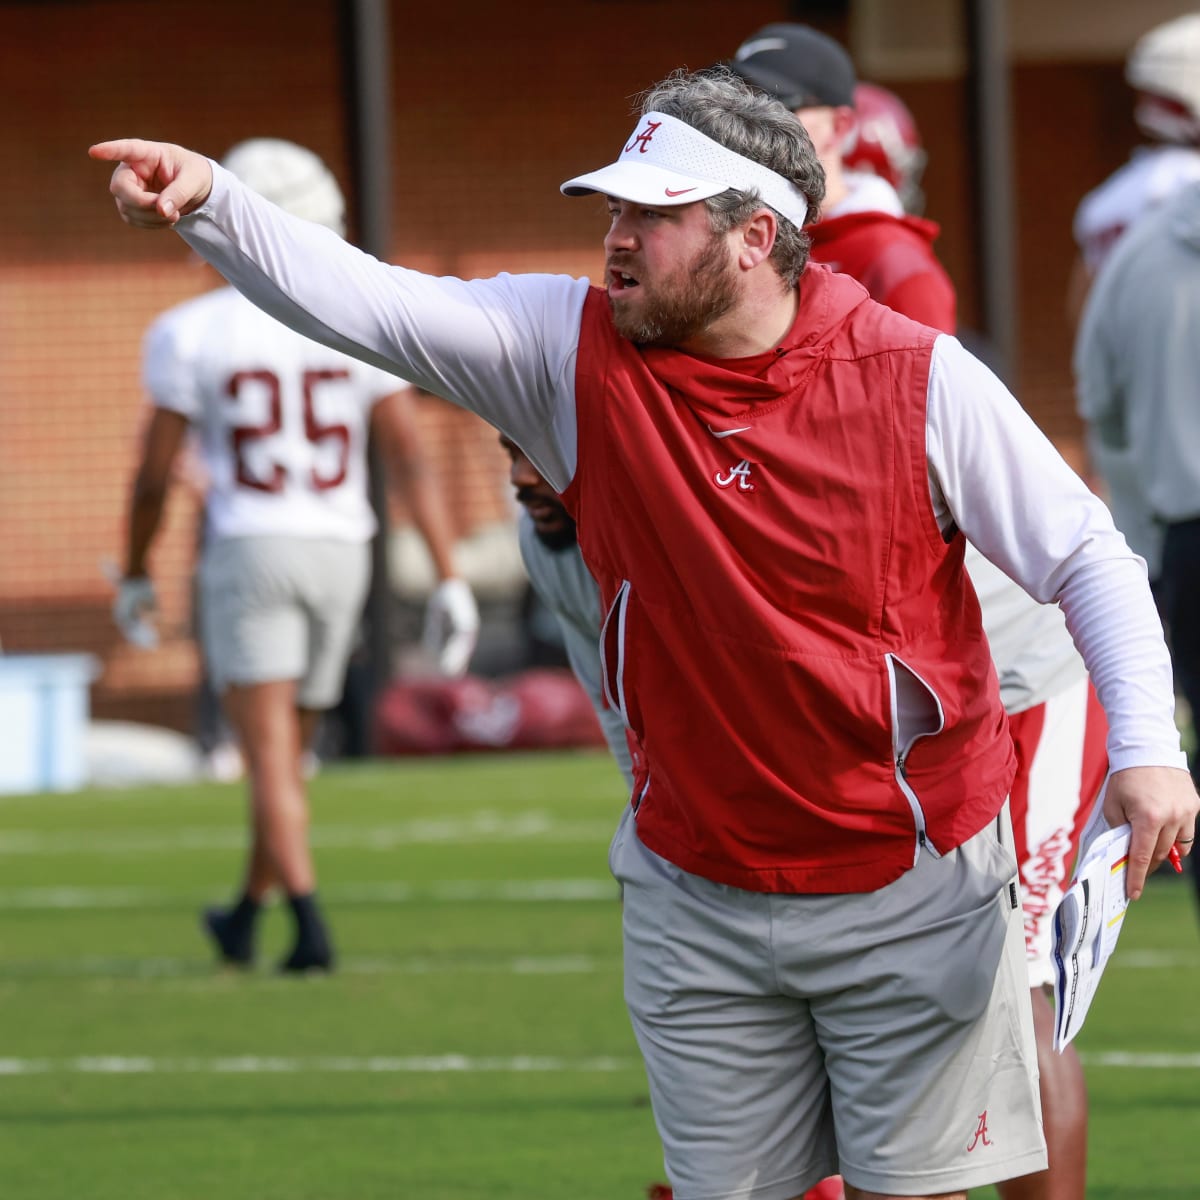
768 555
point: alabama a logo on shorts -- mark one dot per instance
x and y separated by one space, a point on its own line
981 1133
739 474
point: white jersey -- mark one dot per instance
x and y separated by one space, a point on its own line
866 192
505 348
281 421
566 587
1152 175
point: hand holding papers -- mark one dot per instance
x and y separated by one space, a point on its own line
1088 923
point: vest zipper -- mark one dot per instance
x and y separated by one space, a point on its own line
637 800
612 667
902 752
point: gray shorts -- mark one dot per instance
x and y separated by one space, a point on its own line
887 1036
277 608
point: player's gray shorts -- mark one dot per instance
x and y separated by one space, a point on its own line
276 608
887 1036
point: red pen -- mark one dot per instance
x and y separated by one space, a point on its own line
1176 862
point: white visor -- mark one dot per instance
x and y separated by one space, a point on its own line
668 162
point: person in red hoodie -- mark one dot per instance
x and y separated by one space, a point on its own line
864 230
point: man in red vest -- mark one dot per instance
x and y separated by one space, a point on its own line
773 477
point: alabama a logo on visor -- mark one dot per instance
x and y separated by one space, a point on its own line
666 159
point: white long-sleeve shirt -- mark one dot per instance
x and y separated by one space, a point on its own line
505 348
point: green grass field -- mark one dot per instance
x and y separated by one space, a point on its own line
474 1042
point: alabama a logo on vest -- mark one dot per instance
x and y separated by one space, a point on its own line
739 474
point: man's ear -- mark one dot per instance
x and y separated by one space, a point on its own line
845 122
757 239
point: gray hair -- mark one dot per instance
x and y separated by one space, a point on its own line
724 107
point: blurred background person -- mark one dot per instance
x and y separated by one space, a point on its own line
1055 719
1137 366
863 230
886 142
550 552
283 427
1163 69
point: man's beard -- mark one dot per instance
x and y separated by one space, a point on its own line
673 315
559 537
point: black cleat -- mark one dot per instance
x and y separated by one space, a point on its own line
235 944
308 957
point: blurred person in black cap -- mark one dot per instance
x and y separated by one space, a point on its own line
814 77
864 230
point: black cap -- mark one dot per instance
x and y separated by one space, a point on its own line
797 65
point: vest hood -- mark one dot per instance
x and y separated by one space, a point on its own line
726 389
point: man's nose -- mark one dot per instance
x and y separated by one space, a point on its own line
522 473
621 234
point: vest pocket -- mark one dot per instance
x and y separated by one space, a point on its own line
916 713
613 663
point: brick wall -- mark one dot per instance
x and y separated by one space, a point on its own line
492 111
494 106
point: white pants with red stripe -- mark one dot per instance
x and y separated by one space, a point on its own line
1061 764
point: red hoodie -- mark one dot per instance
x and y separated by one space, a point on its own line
893 258
766 547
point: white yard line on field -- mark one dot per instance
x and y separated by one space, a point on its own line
199 973
261 1065
445 891
476 827
422 1064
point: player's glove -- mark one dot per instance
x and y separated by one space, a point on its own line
133 611
451 627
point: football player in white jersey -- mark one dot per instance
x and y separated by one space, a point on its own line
283 426
1163 68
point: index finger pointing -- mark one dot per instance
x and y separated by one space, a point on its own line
116 151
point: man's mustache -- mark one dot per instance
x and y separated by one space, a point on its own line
528 495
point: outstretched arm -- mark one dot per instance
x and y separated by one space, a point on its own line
503 347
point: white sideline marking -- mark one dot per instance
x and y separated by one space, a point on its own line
478 827
1151 960
258 1065
179 968
451 891
419 1064
1119 1058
